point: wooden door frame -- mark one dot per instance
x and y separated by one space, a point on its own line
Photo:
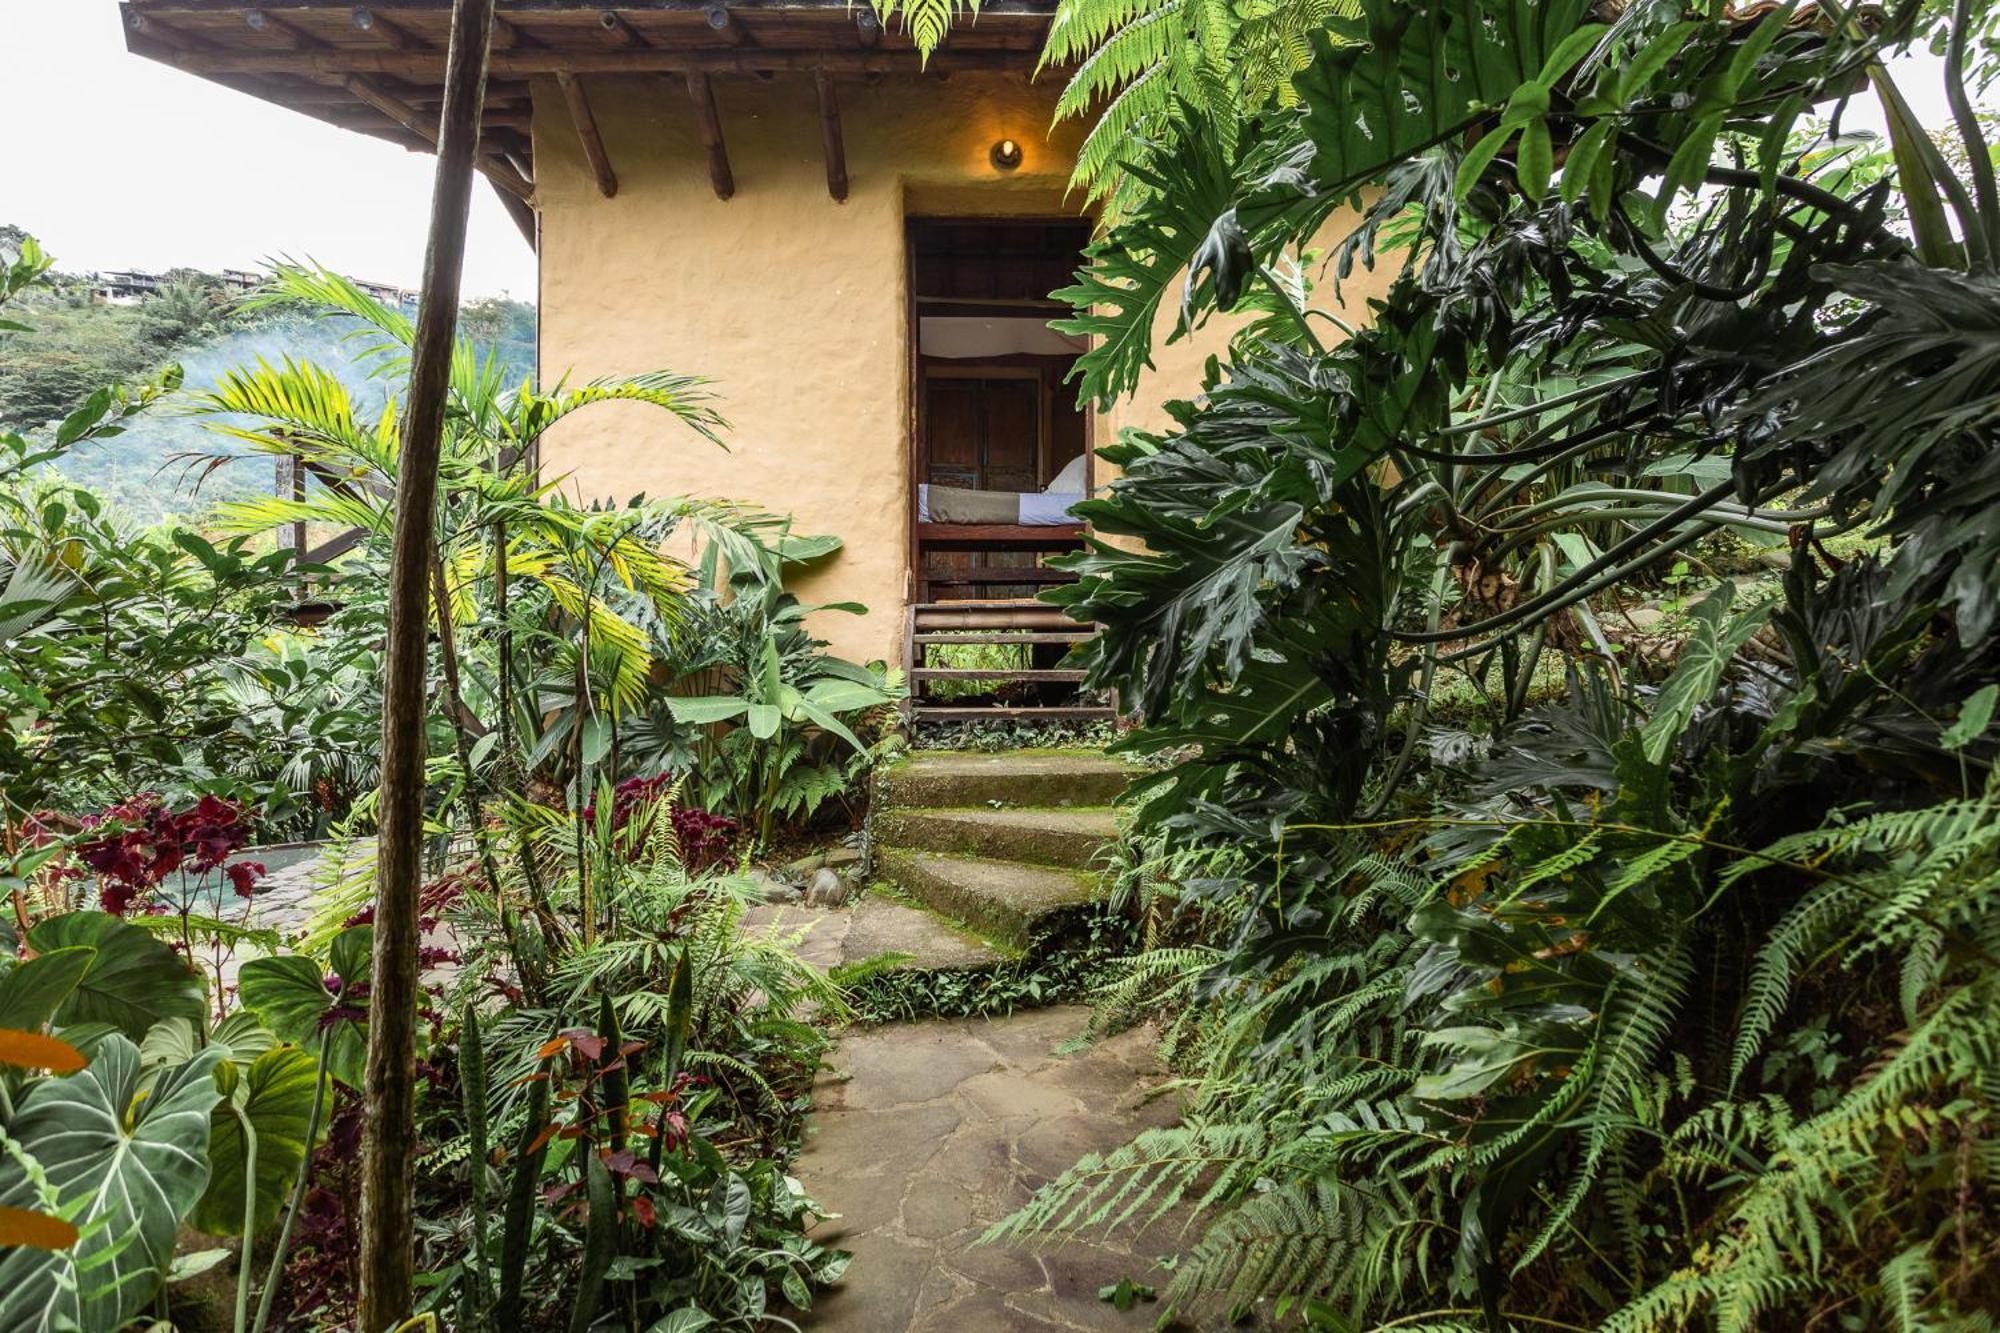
913 373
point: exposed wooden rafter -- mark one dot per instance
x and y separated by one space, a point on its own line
523 215
258 20
501 172
367 20
585 121
724 25
618 34
710 124
831 142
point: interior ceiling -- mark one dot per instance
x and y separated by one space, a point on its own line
379 69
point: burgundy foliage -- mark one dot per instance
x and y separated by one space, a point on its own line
139 842
704 839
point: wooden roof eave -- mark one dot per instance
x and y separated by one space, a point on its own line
379 68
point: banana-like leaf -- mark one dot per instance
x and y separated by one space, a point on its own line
125 1168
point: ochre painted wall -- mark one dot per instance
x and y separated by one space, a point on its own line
793 305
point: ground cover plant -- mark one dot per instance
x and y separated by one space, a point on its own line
1654 988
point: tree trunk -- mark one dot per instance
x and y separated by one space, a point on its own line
388 1157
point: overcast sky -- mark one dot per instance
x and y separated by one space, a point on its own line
114 161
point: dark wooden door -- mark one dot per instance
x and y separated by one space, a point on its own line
982 433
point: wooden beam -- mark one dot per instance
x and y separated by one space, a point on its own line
617 32
528 63
831 143
585 120
389 1139
336 94
724 25
402 39
522 212
259 21
710 124
502 173
172 38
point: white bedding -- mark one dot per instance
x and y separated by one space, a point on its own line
1037 509
1047 509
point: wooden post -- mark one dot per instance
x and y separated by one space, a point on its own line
389 1134
831 144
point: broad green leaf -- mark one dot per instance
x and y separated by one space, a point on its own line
276 1094
352 953
288 992
1536 162
1974 715
290 995
705 710
844 696
133 980
827 722
1582 160
596 739
764 720
1639 72
1716 638
126 1170
1477 158
32 991
1570 50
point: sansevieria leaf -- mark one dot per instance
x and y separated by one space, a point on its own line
125 1169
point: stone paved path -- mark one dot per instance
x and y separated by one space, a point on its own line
923 1134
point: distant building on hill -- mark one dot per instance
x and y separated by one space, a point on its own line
130 286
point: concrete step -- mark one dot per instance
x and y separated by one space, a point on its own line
872 926
1016 905
1041 779
1070 838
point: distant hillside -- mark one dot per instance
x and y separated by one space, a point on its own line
160 466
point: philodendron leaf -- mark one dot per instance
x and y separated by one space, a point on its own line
32 991
125 1169
1716 639
290 995
134 980
276 1093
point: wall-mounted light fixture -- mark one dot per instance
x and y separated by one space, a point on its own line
1006 155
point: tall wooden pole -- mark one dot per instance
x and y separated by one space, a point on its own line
388 1143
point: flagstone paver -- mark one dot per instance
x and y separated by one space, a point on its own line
924 1134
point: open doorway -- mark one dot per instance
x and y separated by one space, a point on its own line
999 456
999 442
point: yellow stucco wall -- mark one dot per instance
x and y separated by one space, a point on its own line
794 305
